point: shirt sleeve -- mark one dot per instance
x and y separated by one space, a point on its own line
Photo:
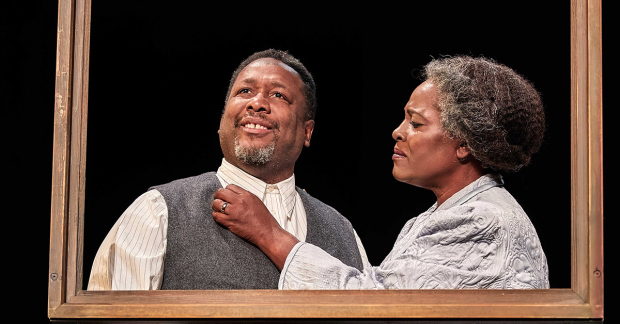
132 254
363 255
457 248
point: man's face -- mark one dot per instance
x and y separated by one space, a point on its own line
263 121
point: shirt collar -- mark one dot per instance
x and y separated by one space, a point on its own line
485 180
233 175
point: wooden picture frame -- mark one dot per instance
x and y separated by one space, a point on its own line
67 300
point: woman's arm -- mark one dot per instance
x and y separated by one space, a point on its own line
464 247
460 248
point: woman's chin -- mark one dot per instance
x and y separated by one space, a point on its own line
399 176
408 178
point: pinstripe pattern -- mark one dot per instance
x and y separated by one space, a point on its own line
281 199
131 256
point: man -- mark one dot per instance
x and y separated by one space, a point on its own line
167 239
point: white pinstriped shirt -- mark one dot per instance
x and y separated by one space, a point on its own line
132 255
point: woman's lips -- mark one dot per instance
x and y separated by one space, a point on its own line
398 154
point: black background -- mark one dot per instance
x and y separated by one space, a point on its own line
158 78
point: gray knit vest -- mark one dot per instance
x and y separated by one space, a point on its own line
201 254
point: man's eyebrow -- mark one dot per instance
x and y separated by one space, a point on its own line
248 80
273 83
278 84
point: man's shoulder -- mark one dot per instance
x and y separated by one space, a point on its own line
314 202
190 186
183 182
319 207
331 231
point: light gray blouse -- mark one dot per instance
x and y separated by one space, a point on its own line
478 238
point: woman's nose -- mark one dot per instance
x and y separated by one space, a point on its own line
259 103
399 133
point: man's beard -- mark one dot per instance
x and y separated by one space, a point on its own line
254 155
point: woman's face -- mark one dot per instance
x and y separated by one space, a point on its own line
423 156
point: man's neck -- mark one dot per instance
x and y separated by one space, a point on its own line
270 173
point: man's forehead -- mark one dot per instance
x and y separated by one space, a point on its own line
271 61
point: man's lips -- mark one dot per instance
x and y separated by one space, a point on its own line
398 154
254 125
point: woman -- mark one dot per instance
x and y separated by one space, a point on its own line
470 119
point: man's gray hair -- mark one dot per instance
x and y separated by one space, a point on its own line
490 107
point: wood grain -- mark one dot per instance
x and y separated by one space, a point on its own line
75 224
595 110
557 303
579 148
60 164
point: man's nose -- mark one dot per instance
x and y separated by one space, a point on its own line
259 103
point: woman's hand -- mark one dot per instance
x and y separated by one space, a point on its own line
247 217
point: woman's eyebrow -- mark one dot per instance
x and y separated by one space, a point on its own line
412 112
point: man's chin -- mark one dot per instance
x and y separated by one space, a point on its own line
249 147
255 155
253 143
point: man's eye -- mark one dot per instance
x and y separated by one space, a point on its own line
279 95
415 125
245 90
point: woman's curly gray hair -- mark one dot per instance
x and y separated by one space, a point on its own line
490 107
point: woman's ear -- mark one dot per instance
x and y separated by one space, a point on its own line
463 152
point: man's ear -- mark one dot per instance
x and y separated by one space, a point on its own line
463 151
308 129
221 120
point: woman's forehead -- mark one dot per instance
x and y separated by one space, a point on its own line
423 101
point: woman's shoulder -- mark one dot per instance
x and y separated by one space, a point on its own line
495 203
526 264
476 210
474 221
498 205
